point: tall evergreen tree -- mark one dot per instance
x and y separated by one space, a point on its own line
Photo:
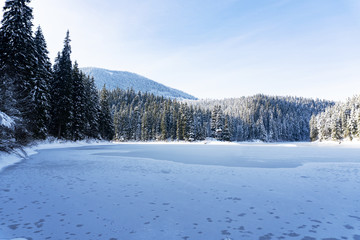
61 104
78 120
226 135
217 122
105 120
92 108
17 60
41 91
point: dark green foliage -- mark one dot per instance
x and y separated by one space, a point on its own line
226 135
17 61
106 126
38 101
41 90
62 92
92 109
217 123
145 117
78 104
74 102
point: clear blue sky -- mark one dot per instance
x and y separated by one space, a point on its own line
216 48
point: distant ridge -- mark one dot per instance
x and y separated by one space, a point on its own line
126 80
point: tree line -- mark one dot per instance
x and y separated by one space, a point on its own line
42 100
144 117
268 118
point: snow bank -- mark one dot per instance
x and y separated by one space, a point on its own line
6 121
7 160
355 143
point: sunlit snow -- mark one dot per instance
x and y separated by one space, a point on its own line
5 120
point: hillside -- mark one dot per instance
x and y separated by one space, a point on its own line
126 80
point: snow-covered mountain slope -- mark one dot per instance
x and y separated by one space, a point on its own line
127 80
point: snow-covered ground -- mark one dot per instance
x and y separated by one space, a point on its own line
184 191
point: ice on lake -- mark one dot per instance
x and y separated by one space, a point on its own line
184 191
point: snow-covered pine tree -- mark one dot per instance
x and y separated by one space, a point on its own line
164 125
92 108
61 89
145 126
226 135
313 129
41 92
17 60
78 121
106 125
136 124
217 122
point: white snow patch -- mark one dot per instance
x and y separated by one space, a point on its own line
7 160
5 120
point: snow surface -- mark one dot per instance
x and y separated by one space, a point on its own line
184 191
6 121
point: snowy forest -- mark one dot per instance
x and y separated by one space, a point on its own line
144 117
341 121
39 100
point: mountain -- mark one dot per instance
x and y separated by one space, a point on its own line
127 80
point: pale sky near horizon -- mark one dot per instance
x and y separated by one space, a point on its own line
215 48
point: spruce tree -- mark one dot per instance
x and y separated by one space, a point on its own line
136 124
92 108
78 121
41 92
17 61
105 119
226 135
61 88
164 124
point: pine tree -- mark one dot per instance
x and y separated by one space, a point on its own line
106 126
92 108
61 88
217 122
180 125
17 61
313 129
136 124
226 135
78 121
41 92
164 126
117 126
145 127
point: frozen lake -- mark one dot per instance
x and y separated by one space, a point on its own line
184 191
